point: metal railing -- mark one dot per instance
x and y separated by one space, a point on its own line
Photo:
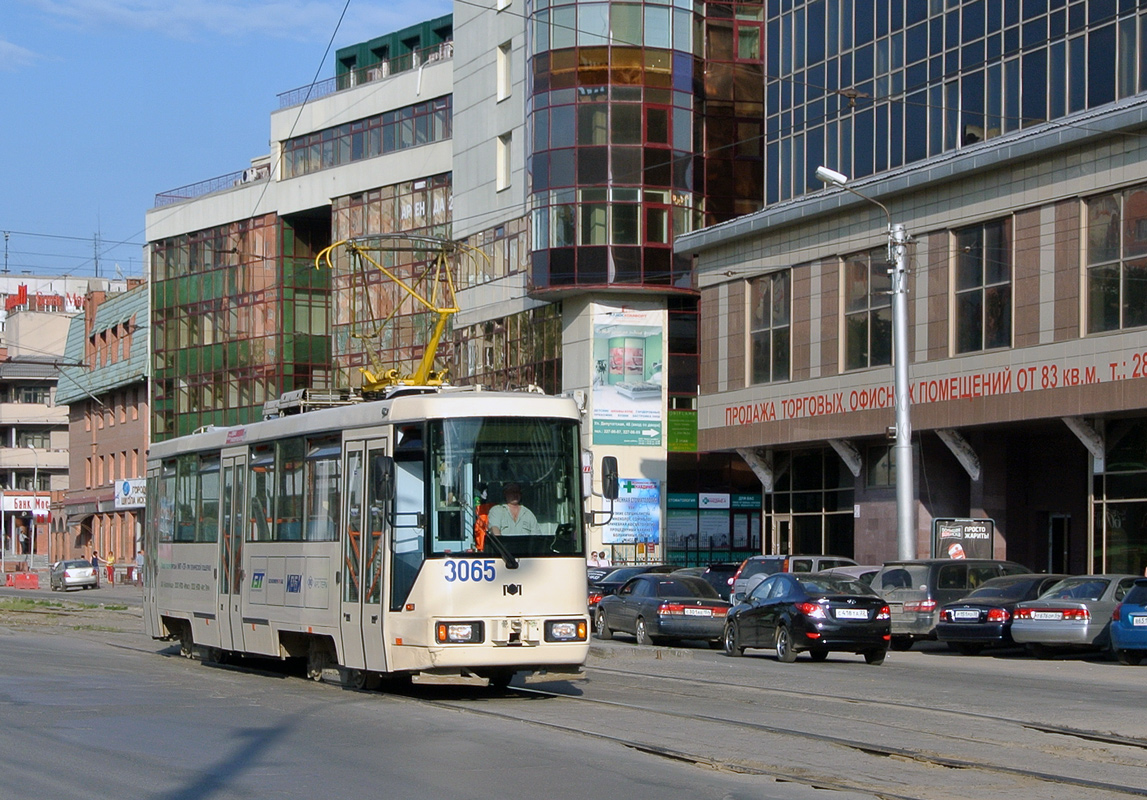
192 190
374 72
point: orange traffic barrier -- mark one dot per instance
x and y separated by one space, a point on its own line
23 580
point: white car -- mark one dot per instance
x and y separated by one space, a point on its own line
67 575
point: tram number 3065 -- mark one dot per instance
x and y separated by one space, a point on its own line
468 570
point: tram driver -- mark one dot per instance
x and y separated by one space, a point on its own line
511 518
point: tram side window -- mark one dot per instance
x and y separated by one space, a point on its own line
165 502
186 469
262 493
323 477
289 499
208 496
294 490
196 517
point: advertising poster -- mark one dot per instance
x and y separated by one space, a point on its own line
636 513
963 538
628 384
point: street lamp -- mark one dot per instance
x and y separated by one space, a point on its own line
35 485
898 269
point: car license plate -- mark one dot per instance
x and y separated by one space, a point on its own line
966 614
1047 615
698 612
851 613
1139 621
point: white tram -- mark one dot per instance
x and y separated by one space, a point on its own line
347 536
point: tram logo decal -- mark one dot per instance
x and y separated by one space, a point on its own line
294 584
257 580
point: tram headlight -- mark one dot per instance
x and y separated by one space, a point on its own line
459 632
566 630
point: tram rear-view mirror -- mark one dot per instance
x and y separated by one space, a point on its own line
609 477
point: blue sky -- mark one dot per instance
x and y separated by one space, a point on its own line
105 103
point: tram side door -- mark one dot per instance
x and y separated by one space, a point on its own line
376 539
230 572
350 570
368 472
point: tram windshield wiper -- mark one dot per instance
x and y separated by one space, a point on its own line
503 551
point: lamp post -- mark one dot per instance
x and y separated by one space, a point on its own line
35 485
902 450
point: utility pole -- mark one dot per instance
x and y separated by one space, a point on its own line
6 235
902 450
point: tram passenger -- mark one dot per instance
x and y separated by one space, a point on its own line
511 518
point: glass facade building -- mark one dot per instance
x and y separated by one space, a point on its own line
611 113
865 86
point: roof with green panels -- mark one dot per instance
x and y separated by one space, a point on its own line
82 382
416 37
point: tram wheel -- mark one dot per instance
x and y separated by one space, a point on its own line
316 661
500 680
362 680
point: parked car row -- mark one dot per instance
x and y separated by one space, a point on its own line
811 604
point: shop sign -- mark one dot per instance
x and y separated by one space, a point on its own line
713 501
40 505
131 493
746 502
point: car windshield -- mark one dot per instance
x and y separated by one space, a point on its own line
1081 588
76 564
904 576
622 575
829 584
1137 596
686 587
762 566
1014 590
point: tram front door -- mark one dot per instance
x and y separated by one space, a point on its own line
363 547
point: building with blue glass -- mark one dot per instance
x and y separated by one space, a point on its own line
1007 137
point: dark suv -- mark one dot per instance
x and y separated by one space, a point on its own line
756 569
915 590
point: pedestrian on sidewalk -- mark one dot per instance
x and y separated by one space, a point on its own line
111 568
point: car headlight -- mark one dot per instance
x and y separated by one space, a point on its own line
460 632
566 630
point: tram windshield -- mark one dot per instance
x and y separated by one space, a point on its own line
511 477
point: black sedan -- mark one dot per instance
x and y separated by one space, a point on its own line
816 613
656 607
616 578
984 617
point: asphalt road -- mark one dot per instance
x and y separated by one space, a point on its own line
89 707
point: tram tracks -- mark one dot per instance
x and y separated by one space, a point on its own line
788 752
963 714
656 714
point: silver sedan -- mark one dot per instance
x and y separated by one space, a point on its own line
73 574
1074 614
